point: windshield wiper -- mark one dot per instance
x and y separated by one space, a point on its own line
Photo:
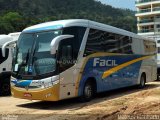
24 62
34 51
27 57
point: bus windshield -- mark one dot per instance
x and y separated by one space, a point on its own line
32 55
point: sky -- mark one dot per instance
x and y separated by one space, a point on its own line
130 4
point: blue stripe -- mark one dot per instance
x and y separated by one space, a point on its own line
22 83
47 28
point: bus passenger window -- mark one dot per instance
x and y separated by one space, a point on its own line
101 41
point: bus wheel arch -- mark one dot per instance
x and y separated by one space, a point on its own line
89 89
142 80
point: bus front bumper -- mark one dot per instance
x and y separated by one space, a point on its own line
47 94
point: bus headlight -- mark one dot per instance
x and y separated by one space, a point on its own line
49 84
44 83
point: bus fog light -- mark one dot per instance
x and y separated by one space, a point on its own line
48 95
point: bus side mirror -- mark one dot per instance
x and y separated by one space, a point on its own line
5 45
55 42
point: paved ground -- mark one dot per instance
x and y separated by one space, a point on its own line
111 105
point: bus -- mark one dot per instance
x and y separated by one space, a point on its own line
79 58
6 62
158 59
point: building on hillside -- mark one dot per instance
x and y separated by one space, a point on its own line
148 18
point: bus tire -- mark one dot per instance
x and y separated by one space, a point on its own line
88 92
5 87
142 81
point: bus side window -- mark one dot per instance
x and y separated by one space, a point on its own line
78 33
66 52
65 55
101 41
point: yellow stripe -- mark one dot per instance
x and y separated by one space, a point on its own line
113 70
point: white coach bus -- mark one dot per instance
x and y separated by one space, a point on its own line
6 62
158 59
79 58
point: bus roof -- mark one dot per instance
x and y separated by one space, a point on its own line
15 35
4 39
7 38
80 22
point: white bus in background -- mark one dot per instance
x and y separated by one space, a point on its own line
157 39
158 59
79 58
6 62
14 35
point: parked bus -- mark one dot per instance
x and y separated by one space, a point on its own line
79 58
158 59
6 63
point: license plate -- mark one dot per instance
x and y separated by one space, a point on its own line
27 95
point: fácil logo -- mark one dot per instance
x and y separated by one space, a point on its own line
103 62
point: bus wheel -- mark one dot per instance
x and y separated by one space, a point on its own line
142 81
5 88
88 92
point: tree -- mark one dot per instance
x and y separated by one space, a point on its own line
11 22
29 12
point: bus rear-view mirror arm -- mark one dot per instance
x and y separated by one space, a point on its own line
55 42
5 45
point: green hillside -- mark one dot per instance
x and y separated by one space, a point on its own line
15 15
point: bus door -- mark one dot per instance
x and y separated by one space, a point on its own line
66 68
